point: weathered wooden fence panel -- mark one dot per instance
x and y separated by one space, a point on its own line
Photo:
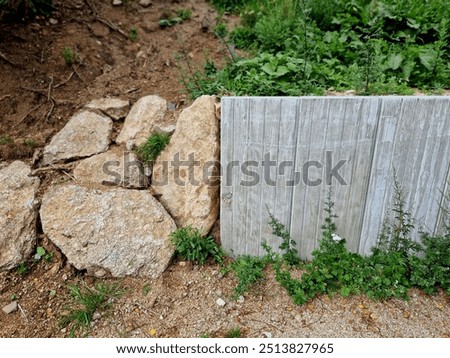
281 154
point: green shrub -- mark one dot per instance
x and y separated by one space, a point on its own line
154 145
192 246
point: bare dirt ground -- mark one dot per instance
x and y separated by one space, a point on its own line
38 95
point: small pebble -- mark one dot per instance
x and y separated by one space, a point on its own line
220 302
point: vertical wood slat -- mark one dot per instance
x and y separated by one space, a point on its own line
374 135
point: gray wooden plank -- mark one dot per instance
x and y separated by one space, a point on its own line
373 134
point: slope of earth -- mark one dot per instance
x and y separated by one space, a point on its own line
121 51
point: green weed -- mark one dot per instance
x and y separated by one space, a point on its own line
70 56
234 333
133 34
185 14
302 47
22 269
5 139
192 246
85 301
154 145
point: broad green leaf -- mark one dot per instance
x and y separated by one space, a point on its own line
427 58
40 251
395 60
269 68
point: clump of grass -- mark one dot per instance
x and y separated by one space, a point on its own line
191 245
154 145
85 301
234 333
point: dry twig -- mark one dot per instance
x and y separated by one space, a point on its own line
7 59
26 114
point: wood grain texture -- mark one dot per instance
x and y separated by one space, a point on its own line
284 149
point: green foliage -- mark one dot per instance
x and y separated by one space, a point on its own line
85 301
302 47
185 14
146 289
231 5
30 143
133 34
42 253
433 269
192 246
154 145
5 139
70 56
22 269
234 333
169 21
248 270
290 255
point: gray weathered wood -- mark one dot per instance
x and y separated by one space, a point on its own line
373 135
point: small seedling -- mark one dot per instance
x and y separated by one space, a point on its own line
13 297
146 289
22 269
41 253
133 35
154 145
30 143
234 333
5 139
205 335
70 56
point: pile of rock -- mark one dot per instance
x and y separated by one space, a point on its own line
112 218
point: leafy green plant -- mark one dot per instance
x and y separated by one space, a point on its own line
290 255
191 245
154 145
42 253
302 47
234 333
133 34
248 270
85 301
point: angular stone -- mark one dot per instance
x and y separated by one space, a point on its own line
168 129
112 168
139 123
115 232
10 308
17 214
113 107
190 192
220 302
85 134
145 3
